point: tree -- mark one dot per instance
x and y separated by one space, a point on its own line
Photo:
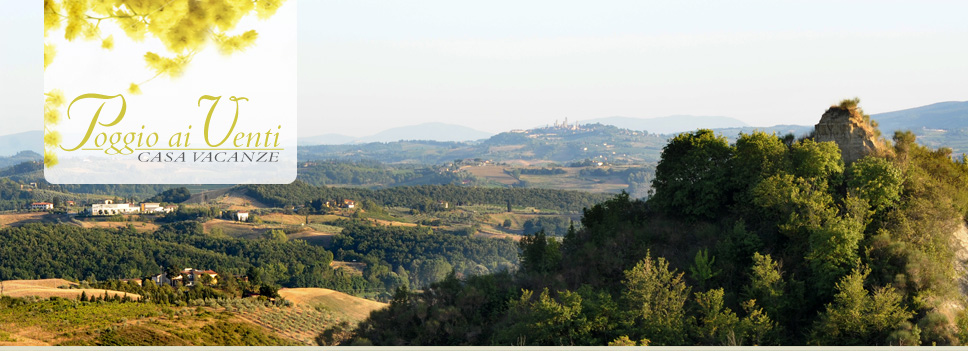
690 179
756 156
276 235
539 253
254 275
860 317
171 272
655 296
702 269
269 291
766 284
715 323
876 180
834 250
334 335
813 160
545 320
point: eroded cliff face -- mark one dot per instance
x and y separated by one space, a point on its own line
846 127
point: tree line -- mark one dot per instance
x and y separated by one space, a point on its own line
425 196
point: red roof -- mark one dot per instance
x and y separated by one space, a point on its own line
42 203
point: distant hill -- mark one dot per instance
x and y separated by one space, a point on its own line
952 115
601 142
427 131
13 143
20 157
669 124
326 139
944 124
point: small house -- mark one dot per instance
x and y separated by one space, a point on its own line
41 206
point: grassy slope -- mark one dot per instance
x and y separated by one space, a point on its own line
243 322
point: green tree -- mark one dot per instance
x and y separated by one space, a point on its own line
766 284
876 180
334 335
703 268
655 297
861 317
545 320
276 235
813 160
757 327
834 250
539 253
690 179
715 324
756 156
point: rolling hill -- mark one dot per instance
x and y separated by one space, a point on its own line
952 115
426 131
11 144
669 124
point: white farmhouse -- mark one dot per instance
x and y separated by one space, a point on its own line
41 206
111 208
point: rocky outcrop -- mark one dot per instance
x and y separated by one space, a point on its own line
848 128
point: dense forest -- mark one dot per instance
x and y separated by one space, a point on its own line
394 256
12 197
418 256
36 251
374 174
425 198
767 241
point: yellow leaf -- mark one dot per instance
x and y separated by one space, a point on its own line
51 18
49 53
266 8
52 138
134 89
50 159
51 116
55 98
108 43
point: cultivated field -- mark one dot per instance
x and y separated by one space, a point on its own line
354 308
139 226
313 310
314 237
17 219
45 288
495 173
236 229
353 267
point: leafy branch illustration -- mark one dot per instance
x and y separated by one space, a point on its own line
185 27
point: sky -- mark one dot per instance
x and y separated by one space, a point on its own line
365 66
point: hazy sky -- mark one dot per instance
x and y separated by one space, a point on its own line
495 65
